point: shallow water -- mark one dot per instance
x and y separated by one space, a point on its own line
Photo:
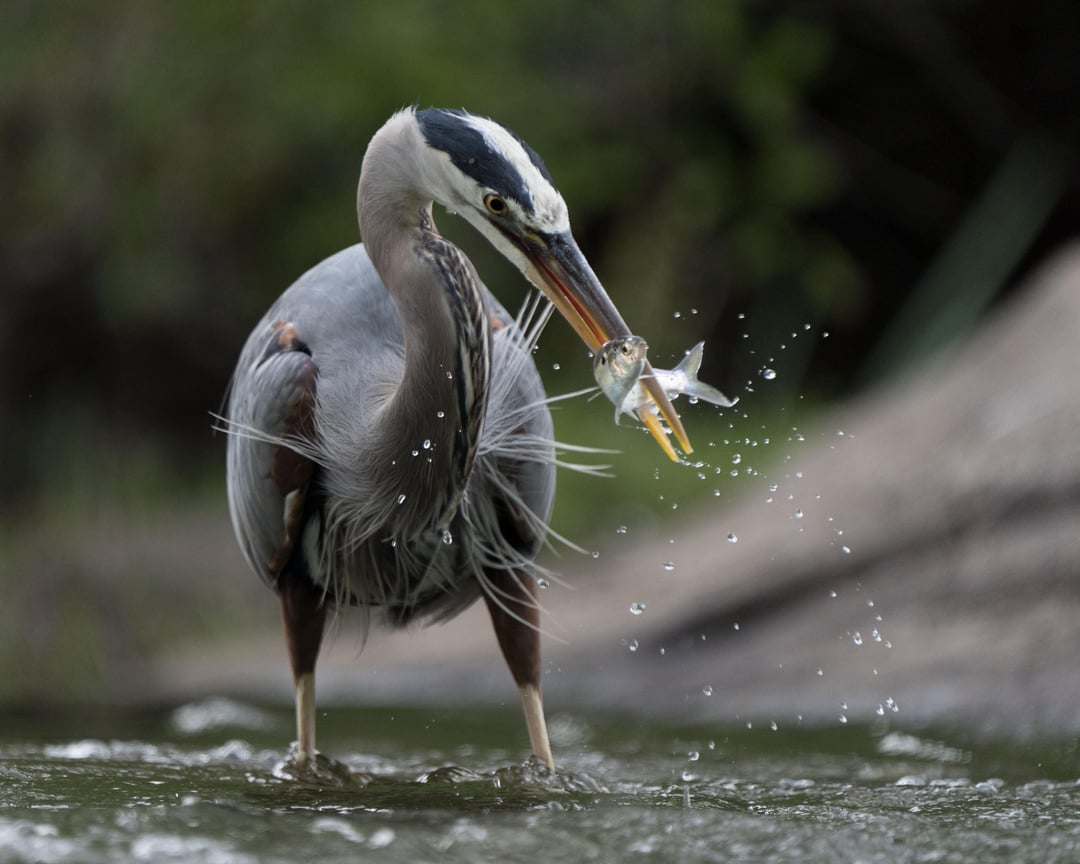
206 782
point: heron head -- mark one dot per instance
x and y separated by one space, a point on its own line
490 176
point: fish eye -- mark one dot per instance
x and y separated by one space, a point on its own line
625 348
496 206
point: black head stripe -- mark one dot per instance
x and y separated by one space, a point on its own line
470 152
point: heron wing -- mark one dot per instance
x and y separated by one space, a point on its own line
271 420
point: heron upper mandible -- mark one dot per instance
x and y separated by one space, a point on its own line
390 446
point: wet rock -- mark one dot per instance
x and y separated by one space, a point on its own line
953 591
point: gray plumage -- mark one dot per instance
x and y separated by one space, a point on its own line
390 444
375 536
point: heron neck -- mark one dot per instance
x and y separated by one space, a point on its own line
438 410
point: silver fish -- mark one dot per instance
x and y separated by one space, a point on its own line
618 368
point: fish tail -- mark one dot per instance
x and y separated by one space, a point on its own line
689 366
708 393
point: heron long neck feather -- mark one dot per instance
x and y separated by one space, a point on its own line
438 408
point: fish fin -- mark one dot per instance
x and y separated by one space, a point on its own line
689 366
691 363
708 393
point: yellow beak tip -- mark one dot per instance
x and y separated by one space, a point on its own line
657 431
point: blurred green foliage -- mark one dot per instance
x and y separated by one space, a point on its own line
169 168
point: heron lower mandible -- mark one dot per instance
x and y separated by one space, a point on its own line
390 443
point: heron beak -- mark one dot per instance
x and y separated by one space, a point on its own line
556 266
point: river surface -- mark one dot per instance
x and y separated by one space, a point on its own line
210 782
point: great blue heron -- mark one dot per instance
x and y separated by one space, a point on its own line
391 445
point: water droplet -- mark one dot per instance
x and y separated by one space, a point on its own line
447 537
856 637
693 311
736 458
880 710
735 626
846 550
798 513
768 374
556 366
621 529
440 414
633 646
773 487
677 315
595 554
669 565
415 452
637 608
449 375
741 316
732 538
427 444
832 594
693 756
820 672
843 718
707 689
542 583
875 635
400 499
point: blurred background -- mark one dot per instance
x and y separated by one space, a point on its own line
831 190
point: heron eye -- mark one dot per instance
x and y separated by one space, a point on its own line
495 205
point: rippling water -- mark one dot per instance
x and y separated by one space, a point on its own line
208 782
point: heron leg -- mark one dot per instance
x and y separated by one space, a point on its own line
303 609
515 615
